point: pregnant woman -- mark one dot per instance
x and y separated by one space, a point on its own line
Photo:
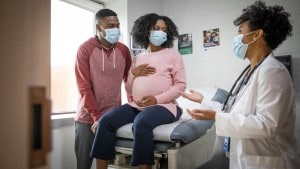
155 81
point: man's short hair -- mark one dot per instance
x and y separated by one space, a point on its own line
104 13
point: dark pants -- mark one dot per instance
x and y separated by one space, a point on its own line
143 124
83 144
219 159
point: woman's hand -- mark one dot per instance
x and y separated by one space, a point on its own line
193 96
147 101
199 114
143 70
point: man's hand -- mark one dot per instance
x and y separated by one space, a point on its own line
94 127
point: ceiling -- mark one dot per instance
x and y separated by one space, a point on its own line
104 1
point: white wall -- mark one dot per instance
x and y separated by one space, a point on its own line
63 154
218 67
137 8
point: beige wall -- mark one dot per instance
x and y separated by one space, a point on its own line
24 61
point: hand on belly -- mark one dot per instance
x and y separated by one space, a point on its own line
146 101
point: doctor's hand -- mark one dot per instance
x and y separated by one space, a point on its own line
143 70
193 96
147 101
200 114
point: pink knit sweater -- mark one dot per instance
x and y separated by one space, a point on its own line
99 73
165 84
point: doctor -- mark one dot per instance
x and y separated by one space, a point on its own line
258 118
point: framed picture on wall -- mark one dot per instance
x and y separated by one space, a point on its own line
185 44
211 38
135 48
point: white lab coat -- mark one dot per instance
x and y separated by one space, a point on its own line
262 120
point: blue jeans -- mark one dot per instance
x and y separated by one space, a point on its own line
143 124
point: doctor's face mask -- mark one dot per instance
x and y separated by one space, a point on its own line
240 48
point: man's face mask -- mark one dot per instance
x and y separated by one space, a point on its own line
112 35
239 48
157 37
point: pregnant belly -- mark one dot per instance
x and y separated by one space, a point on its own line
146 86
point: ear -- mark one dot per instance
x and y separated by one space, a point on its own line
98 27
259 34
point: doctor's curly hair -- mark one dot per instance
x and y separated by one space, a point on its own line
143 25
273 20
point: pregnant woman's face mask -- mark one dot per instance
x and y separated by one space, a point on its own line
157 38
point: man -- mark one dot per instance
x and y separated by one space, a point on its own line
101 65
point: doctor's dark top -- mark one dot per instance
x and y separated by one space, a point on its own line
165 84
99 73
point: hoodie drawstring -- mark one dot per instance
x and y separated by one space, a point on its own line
102 61
114 59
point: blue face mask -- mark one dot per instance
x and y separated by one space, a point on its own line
240 48
157 37
112 35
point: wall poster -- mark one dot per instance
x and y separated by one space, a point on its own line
211 38
185 44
